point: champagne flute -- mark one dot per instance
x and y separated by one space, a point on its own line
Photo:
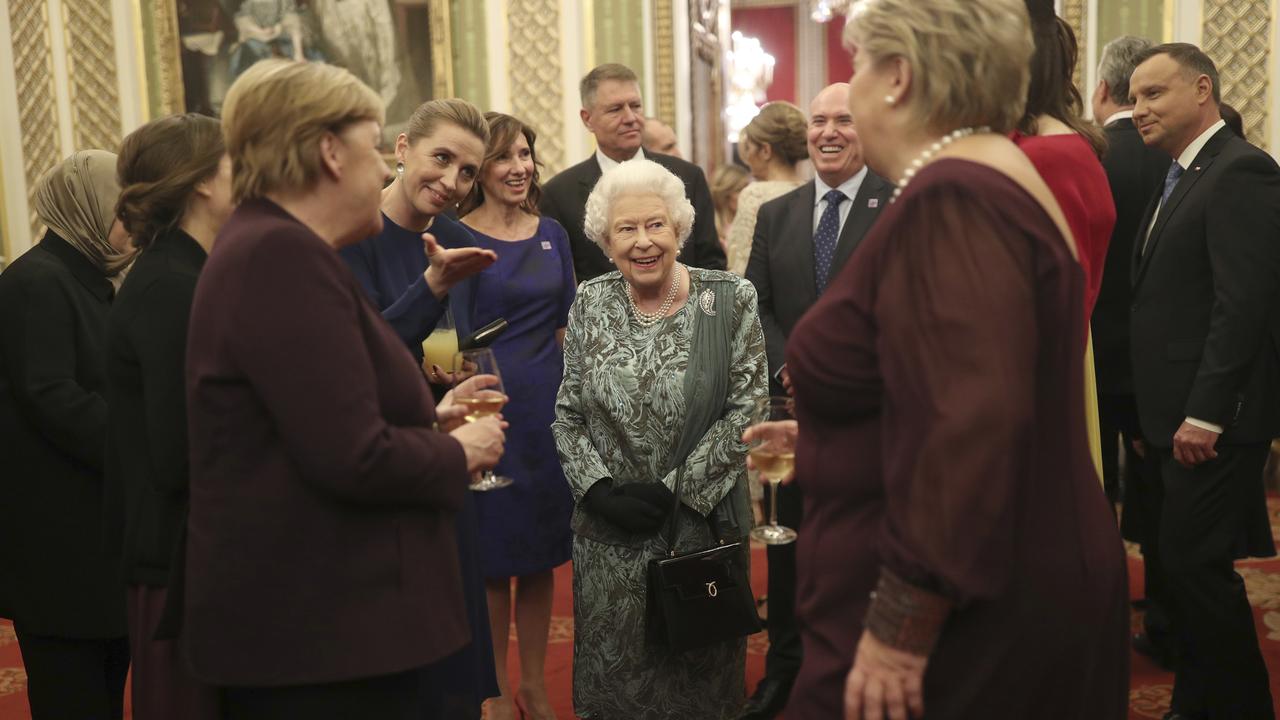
479 402
773 452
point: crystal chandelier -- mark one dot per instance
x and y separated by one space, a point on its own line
750 74
824 10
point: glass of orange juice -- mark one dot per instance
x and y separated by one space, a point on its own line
441 345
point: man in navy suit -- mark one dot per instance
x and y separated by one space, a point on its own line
1205 337
801 240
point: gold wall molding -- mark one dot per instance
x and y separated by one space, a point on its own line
162 63
1076 13
1237 35
537 89
91 74
441 34
664 60
37 104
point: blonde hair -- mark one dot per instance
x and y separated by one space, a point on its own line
970 59
275 115
781 126
428 116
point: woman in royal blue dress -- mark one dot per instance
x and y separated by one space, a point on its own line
414 270
524 529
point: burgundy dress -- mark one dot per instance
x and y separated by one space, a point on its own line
942 437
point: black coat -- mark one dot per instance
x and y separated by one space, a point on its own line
565 199
57 576
146 467
1206 299
781 263
1136 175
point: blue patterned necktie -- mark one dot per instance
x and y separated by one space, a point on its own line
1170 182
824 240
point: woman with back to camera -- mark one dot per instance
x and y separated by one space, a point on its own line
322 567
955 539
772 144
418 267
59 581
524 529
176 180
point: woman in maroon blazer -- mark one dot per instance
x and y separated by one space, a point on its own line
322 577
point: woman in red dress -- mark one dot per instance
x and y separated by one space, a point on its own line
942 447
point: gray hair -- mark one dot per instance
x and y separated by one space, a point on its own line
1119 58
637 177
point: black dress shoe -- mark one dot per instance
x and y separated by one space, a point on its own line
768 700
1174 715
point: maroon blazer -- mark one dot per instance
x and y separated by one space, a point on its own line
321 540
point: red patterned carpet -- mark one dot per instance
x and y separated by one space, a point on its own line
1150 686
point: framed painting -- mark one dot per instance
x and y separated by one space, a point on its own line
194 49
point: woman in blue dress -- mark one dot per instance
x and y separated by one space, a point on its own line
524 529
413 271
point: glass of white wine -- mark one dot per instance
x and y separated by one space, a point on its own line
479 402
773 452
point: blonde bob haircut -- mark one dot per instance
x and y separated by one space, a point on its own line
637 177
970 59
275 115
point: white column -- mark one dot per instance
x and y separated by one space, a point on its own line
12 177
497 38
811 58
1089 46
1188 21
130 65
575 54
680 43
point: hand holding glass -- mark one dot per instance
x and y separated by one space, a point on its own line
479 400
772 436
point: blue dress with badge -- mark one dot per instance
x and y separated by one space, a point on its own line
524 528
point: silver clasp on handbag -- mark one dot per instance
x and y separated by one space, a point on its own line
711 589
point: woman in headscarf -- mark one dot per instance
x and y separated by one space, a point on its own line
60 583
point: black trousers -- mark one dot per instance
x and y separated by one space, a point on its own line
1220 673
1118 426
400 696
782 663
73 678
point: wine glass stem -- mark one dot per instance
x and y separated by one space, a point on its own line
773 501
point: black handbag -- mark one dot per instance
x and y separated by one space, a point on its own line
698 598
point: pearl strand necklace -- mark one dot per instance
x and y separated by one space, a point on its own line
646 319
929 152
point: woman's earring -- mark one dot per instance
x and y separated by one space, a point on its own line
889 99
399 168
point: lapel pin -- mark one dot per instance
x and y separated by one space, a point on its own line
1196 169
546 244
873 203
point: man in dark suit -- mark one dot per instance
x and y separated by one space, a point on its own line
612 111
1136 174
1206 370
801 241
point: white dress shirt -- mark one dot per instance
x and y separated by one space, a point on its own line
1188 157
1119 115
607 163
848 187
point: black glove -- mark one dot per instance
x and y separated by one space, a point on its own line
654 493
629 513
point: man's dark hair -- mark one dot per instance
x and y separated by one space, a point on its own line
1233 119
1191 59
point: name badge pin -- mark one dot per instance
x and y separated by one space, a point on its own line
873 203
546 244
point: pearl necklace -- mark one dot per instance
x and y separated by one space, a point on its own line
646 319
929 152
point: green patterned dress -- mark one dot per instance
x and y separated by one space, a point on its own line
619 414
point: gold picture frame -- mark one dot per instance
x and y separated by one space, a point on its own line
164 91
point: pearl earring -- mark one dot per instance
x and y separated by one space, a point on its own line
399 168
889 99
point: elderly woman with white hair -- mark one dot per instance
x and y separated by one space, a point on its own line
641 342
